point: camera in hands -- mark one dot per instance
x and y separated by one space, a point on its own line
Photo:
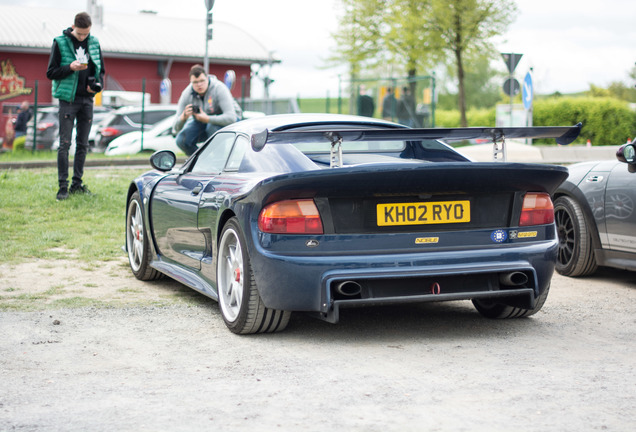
95 85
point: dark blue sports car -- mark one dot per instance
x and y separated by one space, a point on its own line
595 215
314 213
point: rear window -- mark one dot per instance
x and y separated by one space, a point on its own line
111 119
50 115
150 117
353 147
425 150
153 117
388 146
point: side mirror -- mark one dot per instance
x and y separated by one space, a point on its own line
627 154
163 160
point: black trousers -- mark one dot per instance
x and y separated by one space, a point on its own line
79 113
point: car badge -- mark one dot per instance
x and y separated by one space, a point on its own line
423 240
499 236
311 243
528 234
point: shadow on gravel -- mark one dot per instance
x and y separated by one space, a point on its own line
614 275
427 321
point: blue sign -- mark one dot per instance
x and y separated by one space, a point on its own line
499 236
165 87
230 78
527 91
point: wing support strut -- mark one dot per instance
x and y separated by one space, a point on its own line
499 151
335 160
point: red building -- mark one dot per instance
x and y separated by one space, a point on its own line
143 50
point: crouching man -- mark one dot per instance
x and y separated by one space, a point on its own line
205 106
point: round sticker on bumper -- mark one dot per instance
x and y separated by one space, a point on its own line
499 236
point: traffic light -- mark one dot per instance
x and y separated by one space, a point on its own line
208 25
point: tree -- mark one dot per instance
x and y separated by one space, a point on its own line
408 37
465 28
358 36
617 89
416 34
483 85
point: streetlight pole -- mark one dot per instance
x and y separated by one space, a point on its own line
209 4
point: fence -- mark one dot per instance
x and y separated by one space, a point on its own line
408 100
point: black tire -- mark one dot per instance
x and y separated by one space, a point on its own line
241 306
576 253
495 310
137 242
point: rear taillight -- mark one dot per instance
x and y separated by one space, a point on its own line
290 217
45 126
537 210
109 132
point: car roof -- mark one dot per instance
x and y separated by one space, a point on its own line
138 108
48 109
164 124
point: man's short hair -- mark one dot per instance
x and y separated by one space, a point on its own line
197 70
83 20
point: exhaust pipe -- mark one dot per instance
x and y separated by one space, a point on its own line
348 288
513 278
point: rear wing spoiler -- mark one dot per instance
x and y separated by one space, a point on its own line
563 134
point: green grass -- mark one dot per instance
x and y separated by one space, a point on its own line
86 228
323 105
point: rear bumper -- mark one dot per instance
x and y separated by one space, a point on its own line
309 283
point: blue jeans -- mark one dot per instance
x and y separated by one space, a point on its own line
80 111
194 132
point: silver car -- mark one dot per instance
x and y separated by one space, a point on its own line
595 217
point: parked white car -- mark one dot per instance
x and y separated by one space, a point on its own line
159 137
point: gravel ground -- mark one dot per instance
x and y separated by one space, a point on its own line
157 357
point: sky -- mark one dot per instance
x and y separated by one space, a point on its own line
569 44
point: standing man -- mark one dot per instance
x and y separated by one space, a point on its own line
389 105
24 115
205 106
406 108
76 67
366 105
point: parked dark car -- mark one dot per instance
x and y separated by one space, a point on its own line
99 114
314 213
595 215
129 119
47 129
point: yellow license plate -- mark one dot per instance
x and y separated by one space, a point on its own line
423 213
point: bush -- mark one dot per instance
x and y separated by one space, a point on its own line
606 121
475 117
18 143
446 118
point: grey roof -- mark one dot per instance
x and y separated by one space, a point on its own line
142 35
